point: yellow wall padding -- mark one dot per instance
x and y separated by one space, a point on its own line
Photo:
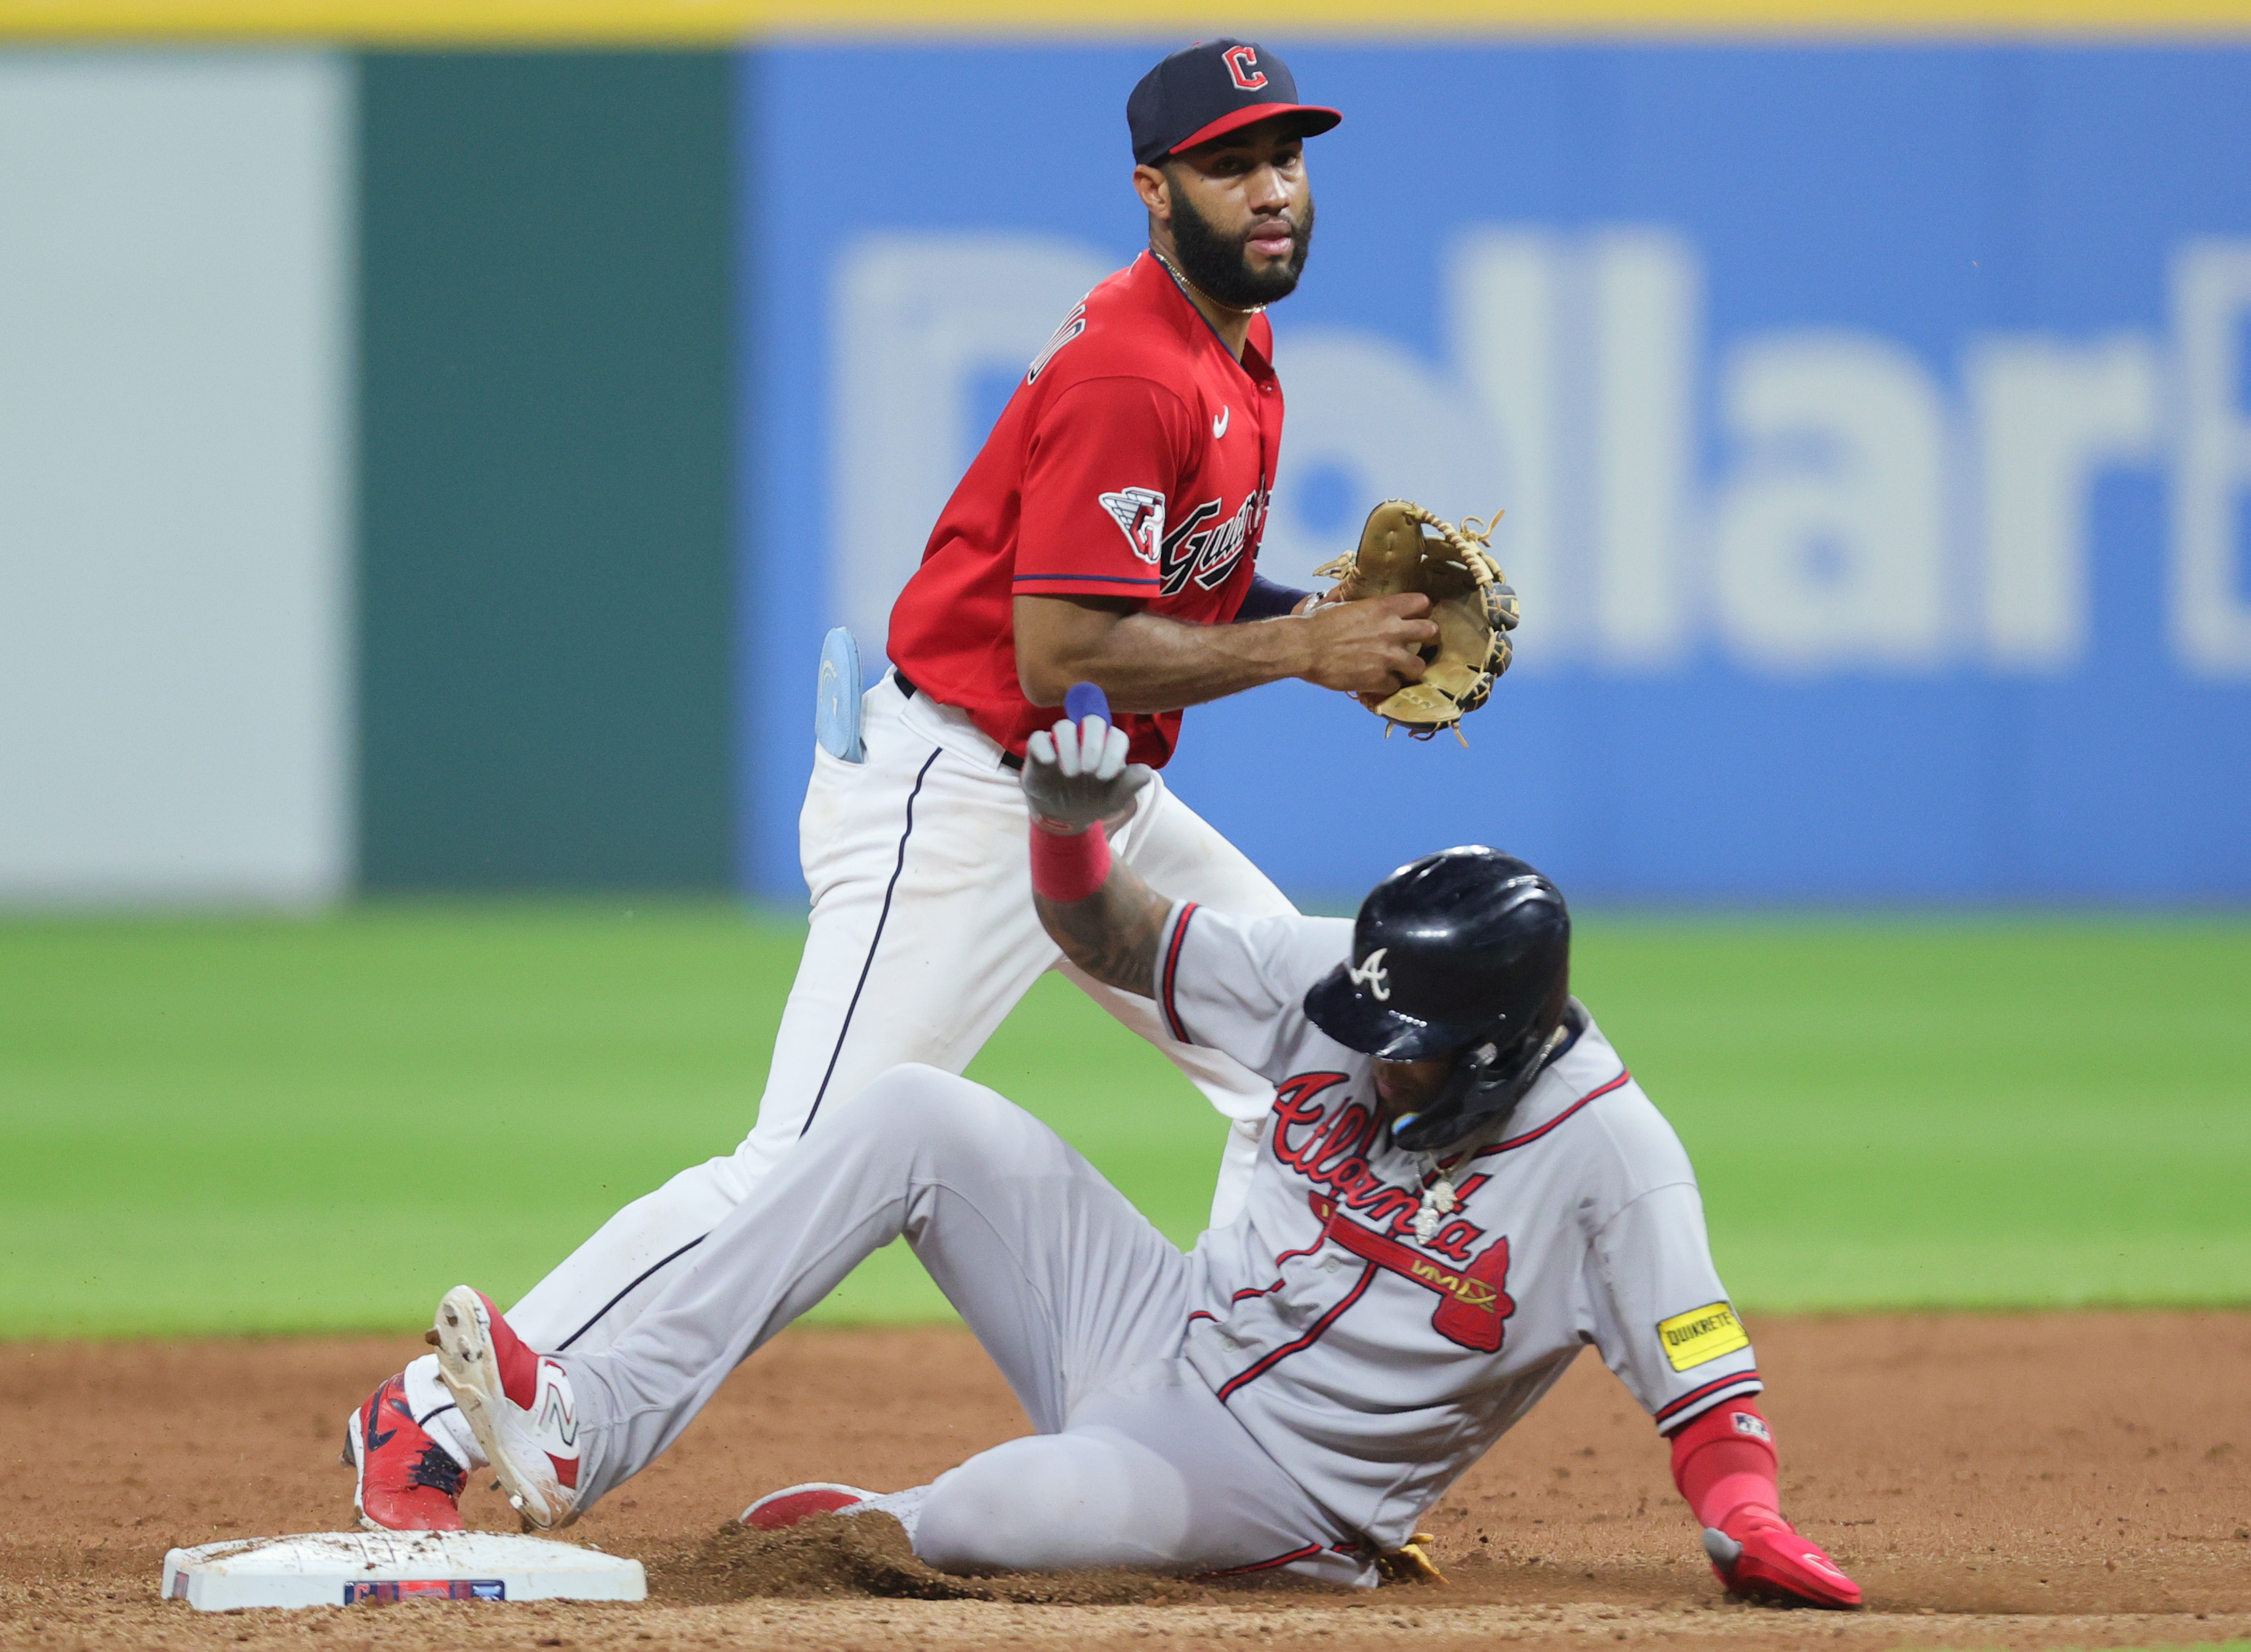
715 21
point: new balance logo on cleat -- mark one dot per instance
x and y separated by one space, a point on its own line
518 1403
555 1412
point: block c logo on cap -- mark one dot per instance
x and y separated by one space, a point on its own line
1242 68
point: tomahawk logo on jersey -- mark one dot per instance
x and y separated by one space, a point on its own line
1134 461
1581 1225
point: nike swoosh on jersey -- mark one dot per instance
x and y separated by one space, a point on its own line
1219 424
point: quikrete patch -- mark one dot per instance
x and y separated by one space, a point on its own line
1701 1334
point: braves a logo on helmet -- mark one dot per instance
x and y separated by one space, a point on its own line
1206 550
1139 513
1370 973
1242 68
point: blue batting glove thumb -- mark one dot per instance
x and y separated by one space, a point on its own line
1086 700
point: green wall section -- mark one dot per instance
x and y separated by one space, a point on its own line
544 403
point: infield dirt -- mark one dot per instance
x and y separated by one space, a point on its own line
2024 1481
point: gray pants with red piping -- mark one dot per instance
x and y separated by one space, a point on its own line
1077 1297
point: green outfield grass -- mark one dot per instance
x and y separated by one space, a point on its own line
220 1125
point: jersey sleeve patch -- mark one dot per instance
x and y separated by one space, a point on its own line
1139 513
1097 499
1700 1334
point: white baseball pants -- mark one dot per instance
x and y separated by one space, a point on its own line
1078 1298
923 938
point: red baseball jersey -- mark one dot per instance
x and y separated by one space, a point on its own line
1134 461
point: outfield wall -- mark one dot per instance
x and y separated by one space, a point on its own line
365 474
431 470
545 405
1872 425
175 460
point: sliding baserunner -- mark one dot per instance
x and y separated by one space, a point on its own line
1458 1186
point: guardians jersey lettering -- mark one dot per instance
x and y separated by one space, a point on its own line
1209 555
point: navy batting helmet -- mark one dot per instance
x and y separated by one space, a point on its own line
1464 953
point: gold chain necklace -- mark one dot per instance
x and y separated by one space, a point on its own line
1189 289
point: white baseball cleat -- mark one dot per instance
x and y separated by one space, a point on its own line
518 1403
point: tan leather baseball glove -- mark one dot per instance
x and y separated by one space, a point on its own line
1404 548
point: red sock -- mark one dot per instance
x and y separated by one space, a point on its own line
1724 1461
1068 866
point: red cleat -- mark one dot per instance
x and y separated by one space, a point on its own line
402 1479
792 1503
1760 1557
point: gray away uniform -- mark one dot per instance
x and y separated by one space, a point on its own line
1294 1392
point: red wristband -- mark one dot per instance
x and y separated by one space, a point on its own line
1722 1464
1069 866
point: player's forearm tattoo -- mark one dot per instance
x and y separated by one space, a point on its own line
1112 934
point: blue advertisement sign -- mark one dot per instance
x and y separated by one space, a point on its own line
1873 428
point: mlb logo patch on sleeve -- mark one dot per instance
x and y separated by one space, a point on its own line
1701 1334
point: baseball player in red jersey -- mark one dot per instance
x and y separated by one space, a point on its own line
1108 533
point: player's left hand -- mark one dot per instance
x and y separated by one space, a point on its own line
1075 773
1759 1556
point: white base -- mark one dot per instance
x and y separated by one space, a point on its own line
336 1568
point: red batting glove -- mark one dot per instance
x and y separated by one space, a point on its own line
1759 1556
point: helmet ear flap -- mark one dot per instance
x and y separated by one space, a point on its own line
1489 1079
1477 1061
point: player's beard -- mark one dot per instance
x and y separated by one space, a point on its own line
1220 264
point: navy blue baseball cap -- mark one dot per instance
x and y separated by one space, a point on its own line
1207 91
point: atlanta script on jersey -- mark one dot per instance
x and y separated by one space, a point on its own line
1376 1367
1133 461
